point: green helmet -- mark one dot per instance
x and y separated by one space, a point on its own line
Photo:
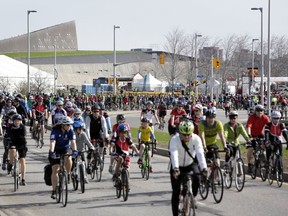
186 127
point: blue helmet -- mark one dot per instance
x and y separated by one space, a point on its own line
78 124
122 128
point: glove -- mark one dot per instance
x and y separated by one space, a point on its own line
204 172
52 154
75 154
176 173
92 148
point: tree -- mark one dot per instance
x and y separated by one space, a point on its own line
4 84
40 83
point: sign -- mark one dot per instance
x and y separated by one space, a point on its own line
200 76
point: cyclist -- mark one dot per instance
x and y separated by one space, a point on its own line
58 112
162 111
69 108
149 113
120 119
62 140
232 130
17 135
39 112
145 134
77 117
8 121
20 109
175 118
47 103
108 122
122 144
273 132
197 116
184 148
97 129
255 128
208 130
82 141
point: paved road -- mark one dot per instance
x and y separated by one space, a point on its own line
150 197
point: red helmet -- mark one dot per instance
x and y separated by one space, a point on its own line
40 98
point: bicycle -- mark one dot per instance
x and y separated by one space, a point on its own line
214 180
15 172
36 132
186 199
162 124
146 164
234 168
97 163
62 185
260 160
275 169
122 181
78 172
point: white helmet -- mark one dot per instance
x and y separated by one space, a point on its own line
198 106
275 114
65 120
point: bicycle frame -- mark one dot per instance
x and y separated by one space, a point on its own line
97 163
260 161
78 172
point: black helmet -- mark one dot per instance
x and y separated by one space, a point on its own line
12 112
120 117
144 120
95 107
210 113
17 117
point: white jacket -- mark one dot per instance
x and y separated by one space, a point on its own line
180 158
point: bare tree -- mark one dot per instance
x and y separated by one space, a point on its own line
40 83
21 87
4 84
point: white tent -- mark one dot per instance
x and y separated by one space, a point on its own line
148 83
13 72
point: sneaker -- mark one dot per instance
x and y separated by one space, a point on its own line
249 168
88 170
110 170
151 170
53 195
42 143
4 166
23 182
9 168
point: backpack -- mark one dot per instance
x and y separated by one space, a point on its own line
47 174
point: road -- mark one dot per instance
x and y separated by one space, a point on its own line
150 197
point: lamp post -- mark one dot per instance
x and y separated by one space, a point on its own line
114 62
269 63
196 65
55 69
252 74
28 48
262 57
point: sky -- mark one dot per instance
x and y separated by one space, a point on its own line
143 23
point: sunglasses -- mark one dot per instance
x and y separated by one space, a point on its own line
95 111
186 135
276 118
180 106
196 110
76 113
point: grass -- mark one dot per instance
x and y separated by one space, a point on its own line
61 53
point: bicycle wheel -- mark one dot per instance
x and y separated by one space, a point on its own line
263 169
15 175
38 136
59 189
93 169
204 187
82 179
118 186
143 170
254 170
74 179
227 174
64 190
279 171
125 184
186 205
98 169
217 184
147 170
270 175
239 174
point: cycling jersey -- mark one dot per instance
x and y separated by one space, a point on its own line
275 131
145 134
177 116
62 138
210 131
39 110
122 146
257 124
57 113
148 114
232 134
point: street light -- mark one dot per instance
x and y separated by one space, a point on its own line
114 62
262 57
269 62
196 64
28 48
252 74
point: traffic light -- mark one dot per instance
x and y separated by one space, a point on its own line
110 81
162 58
216 63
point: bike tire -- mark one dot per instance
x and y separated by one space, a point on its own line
64 190
38 136
263 169
187 205
75 182
204 187
59 189
217 184
98 169
93 169
15 175
118 186
279 171
143 171
253 174
270 175
125 184
239 174
147 170
82 179
227 175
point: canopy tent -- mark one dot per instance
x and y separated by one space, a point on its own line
14 71
148 83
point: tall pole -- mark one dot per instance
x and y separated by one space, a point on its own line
269 63
212 78
28 48
55 70
262 57
253 77
196 65
114 62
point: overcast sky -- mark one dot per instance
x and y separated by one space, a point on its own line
144 23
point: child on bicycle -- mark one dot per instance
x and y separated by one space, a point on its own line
17 134
273 132
81 141
122 144
145 135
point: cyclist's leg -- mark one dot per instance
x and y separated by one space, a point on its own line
54 175
22 155
12 154
175 183
142 146
68 164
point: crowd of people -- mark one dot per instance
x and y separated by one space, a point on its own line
193 128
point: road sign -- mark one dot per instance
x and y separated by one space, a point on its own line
200 76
